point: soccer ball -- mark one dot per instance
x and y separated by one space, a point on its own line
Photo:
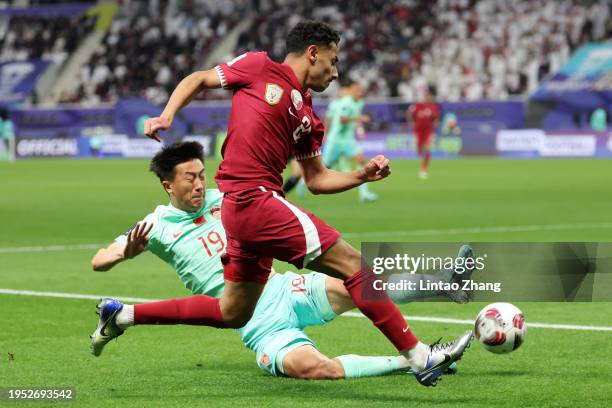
500 327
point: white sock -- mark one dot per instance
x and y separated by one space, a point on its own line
417 356
402 362
125 318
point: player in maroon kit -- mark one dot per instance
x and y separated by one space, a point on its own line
272 117
425 117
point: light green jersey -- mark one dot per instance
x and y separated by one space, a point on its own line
344 107
7 130
598 120
191 243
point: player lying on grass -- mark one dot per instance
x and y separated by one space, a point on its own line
189 236
272 117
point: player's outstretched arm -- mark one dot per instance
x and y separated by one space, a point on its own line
107 258
184 92
321 180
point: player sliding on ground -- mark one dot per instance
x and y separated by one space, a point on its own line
189 236
271 117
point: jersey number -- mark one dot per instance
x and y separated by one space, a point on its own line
305 127
215 240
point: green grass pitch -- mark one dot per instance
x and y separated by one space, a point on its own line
82 202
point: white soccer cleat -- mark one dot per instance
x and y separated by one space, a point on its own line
423 175
441 357
107 328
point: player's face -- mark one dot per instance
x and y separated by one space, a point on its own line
188 189
357 91
324 70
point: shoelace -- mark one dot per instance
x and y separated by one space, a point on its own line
436 346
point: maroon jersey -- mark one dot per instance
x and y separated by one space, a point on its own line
271 119
424 116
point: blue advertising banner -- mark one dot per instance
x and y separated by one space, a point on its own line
53 10
18 79
584 84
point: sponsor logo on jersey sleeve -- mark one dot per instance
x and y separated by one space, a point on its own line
296 99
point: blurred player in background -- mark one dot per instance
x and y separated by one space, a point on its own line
345 123
7 134
189 236
425 118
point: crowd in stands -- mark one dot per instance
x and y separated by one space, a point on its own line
466 49
48 38
151 45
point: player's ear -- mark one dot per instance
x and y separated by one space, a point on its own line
311 52
167 186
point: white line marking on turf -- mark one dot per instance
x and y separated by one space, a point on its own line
479 230
424 232
429 319
71 295
51 248
471 322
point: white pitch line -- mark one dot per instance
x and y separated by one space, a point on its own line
428 319
50 248
71 295
479 230
471 323
383 234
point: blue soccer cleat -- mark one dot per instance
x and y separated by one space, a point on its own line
107 328
452 369
441 357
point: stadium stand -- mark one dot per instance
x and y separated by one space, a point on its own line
469 50
48 38
152 44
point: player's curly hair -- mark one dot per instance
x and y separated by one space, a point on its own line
163 164
310 32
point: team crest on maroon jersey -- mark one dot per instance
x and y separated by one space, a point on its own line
274 93
216 212
296 99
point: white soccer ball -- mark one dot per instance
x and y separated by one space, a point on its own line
500 327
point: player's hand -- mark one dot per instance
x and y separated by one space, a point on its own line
137 240
154 125
377 168
365 118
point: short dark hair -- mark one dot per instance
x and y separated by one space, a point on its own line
310 32
163 164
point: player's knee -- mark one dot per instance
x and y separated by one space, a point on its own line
352 260
235 318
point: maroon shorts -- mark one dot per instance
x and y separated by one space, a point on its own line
261 225
423 139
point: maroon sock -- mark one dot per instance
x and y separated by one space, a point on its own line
380 310
196 310
425 164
